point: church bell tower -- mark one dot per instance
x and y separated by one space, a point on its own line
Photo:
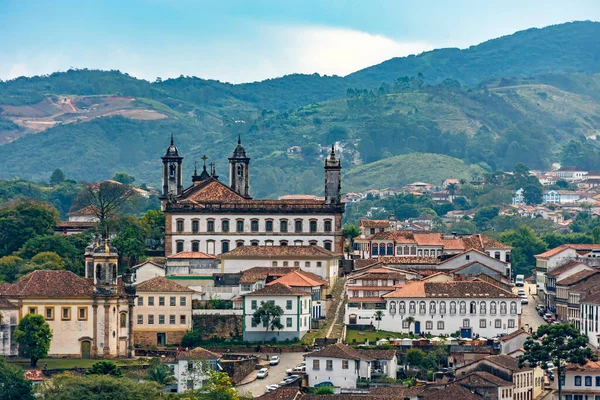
239 173
172 175
333 179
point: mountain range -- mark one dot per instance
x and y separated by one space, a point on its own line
529 97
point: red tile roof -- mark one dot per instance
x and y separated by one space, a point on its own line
251 275
148 262
339 350
278 289
589 366
210 190
300 279
564 268
281 393
390 260
190 254
374 223
46 283
278 251
7 305
577 277
457 289
161 284
197 354
554 251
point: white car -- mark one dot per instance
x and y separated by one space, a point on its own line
291 378
521 292
262 373
550 367
270 388
274 360
296 369
524 300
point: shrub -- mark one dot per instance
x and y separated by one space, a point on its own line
191 339
324 390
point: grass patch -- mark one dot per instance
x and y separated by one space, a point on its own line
71 363
362 336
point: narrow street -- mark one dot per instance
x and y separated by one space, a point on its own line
276 374
529 316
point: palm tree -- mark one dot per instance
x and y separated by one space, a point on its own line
378 316
161 374
410 320
350 232
452 190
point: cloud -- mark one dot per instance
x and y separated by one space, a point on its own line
252 53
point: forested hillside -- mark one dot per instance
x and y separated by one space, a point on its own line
470 110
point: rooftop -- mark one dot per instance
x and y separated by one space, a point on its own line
50 283
577 277
505 361
564 268
300 279
339 350
251 275
278 251
374 223
457 289
161 284
190 254
198 353
482 379
278 289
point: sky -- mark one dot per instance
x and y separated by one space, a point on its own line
243 41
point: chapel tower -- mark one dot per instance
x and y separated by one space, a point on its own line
239 171
333 179
172 175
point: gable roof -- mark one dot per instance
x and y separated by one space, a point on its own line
474 263
198 353
278 289
7 305
300 279
339 350
374 223
506 361
554 251
452 392
453 256
161 284
190 254
282 393
577 277
456 289
210 189
513 335
251 275
404 260
278 251
482 379
51 283
148 262
482 242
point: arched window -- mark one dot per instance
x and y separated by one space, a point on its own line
402 307
393 307
412 307
239 225
179 246
399 250
113 268
123 320
195 245
426 252
297 242
327 245
99 272
254 243
497 255
224 246
482 309
463 307
327 225
312 242
473 307
493 308
269 243
254 225
420 252
432 307
513 307
382 249
312 225
503 307
453 307
422 307
406 250
442 307
283 242
239 243
390 249
375 250
298 225
225 225
195 225
283 225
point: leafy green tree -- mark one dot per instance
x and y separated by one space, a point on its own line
13 386
57 177
34 335
98 387
415 357
532 195
350 232
130 241
484 216
526 245
218 387
192 339
596 234
105 368
160 373
124 178
153 222
269 314
557 344
69 248
23 220
43 261
10 267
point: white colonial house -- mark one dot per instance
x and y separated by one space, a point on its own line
548 261
9 314
313 259
296 319
212 217
589 316
571 174
147 270
342 366
580 382
473 308
560 197
190 368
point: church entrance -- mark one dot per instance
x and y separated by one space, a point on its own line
86 349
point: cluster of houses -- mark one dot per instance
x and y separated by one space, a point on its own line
441 194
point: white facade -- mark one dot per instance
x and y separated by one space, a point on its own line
296 318
560 197
342 373
209 236
589 315
548 261
580 383
8 323
146 271
191 374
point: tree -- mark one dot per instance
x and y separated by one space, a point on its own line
525 246
378 317
269 315
105 199
9 268
557 344
153 222
57 177
192 339
532 195
130 241
23 220
415 357
34 335
124 178
44 260
12 383
410 321
484 216
350 232
105 368
160 373
218 387
452 187
98 387
596 234
69 248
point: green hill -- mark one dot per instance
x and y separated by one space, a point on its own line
395 172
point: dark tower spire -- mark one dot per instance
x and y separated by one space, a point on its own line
333 179
172 176
239 170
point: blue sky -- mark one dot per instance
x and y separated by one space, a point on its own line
243 41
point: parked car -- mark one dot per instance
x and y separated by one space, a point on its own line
297 369
521 292
262 373
291 378
551 320
549 366
274 360
541 310
547 316
524 300
270 388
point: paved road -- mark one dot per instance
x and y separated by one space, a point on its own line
529 316
276 374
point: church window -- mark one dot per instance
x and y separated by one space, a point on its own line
179 225
49 313
298 225
179 246
98 272
195 245
283 225
327 225
225 225
313 226
210 225
195 225
239 243
66 313
172 170
240 170
254 243
224 246
239 225
254 225
327 245
269 225
283 243
90 270
114 272
123 320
